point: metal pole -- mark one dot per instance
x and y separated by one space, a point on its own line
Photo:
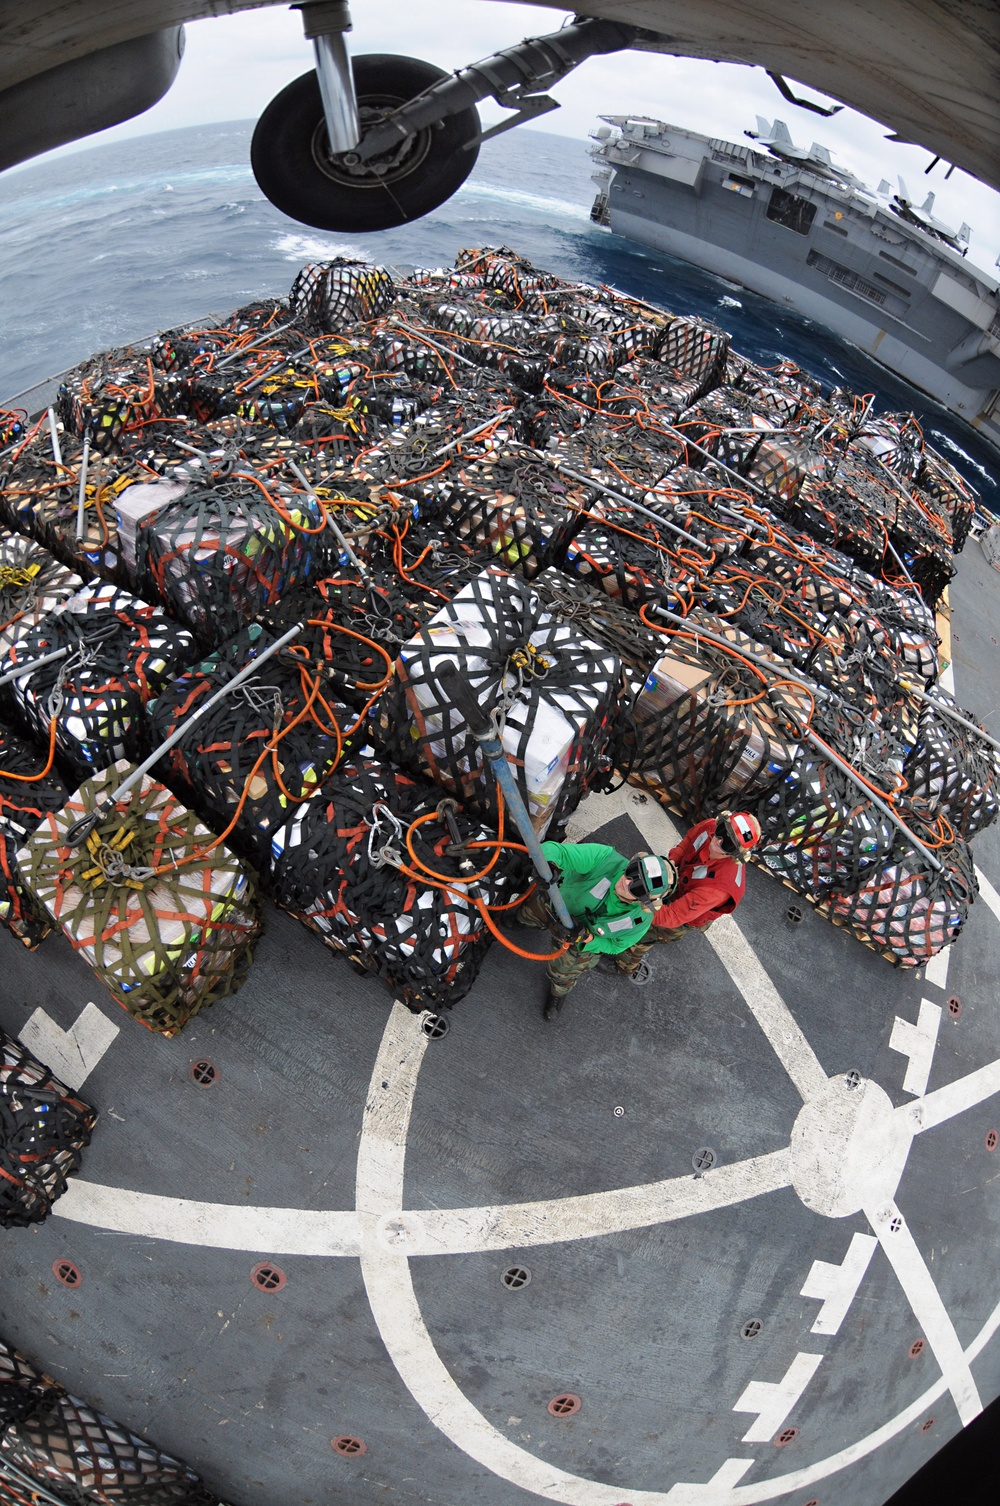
82 493
324 23
954 716
32 665
81 829
54 437
334 528
254 344
481 726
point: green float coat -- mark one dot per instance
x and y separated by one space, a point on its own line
589 874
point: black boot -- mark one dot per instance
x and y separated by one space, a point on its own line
553 1004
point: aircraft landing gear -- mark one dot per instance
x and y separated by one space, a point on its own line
383 140
294 166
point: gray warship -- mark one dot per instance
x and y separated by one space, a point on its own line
786 221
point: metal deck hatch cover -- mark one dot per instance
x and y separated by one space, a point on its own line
204 1073
515 1277
66 1272
566 1404
268 1277
348 1446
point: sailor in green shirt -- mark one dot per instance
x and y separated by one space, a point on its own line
611 898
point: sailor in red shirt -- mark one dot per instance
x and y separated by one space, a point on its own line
711 873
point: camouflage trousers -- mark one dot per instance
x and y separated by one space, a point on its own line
566 970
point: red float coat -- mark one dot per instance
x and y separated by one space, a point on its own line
706 889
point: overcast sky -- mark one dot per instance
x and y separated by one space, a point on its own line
234 65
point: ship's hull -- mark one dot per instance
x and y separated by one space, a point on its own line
885 290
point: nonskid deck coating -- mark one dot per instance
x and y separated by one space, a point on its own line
637 1313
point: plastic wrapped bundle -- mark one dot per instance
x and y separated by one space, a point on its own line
782 462
338 869
59 1443
923 540
219 762
25 798
852 509
330 295
32 584
121 652
765 611
166 916
819 833
217 556
554 692
909 911
898 441
706 735
909 625
44 1129
516 509
696 350
952 770
946 490
56 513
590 610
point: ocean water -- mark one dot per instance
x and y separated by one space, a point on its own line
111 243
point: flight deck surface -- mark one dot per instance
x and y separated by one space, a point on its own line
805 1318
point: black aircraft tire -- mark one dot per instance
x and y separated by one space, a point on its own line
293 167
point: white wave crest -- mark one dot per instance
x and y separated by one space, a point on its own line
303 248
535 201
956 449
730 303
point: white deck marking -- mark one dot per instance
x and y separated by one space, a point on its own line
730 1474
725 938
449 1231
953 1098
393 1301
445 1231
988 892
224 1226
773 1400
918 1286
74 1053
917 1042
936 971
767 1007
836 1286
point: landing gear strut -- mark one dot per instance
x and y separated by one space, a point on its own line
374 143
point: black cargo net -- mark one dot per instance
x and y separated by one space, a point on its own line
165 915
553 693
58 1443
909 911
261 750
219 556
711 728
44 1129
120 652
29 789
952 770
333 294
354 864
32 584
819 831
513 509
